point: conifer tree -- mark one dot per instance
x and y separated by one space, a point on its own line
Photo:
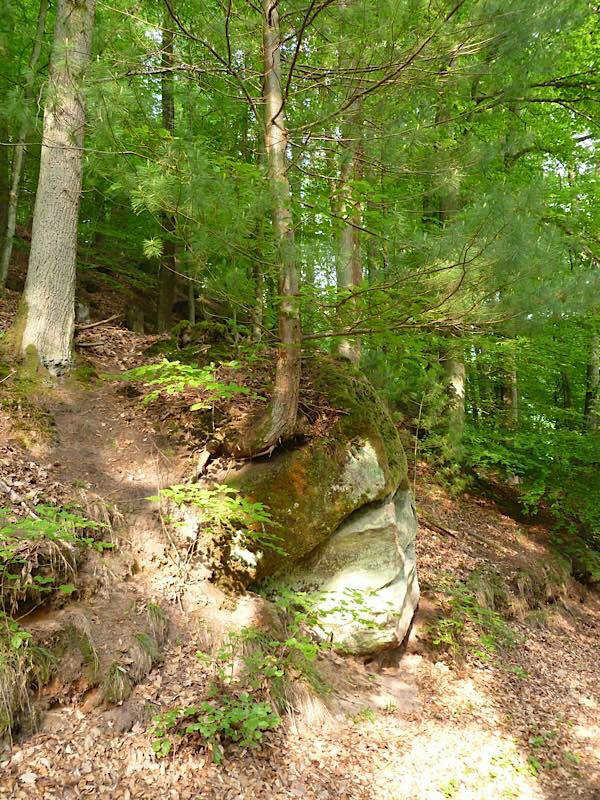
46 317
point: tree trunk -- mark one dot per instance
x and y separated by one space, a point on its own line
349 270
565 393
45 321
455 369
4 190
168 274
191 302
284 404
510 398
591 410
9 223
455 380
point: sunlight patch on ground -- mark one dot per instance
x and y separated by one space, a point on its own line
465 763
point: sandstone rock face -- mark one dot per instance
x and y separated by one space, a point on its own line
343 510
365 576
310 490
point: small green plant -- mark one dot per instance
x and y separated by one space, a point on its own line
117 684
22 666
364 715
572 758
174 377
542 738
534 766
158 622
226 513
450 789
470 625
247 688
238 719
518 671
38 553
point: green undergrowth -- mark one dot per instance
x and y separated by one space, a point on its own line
249 685
38 562
170 378
225 515
468 626
584 559
477 612
558 473
38 555
144 653
23 666
21 394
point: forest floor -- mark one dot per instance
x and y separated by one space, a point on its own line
423 723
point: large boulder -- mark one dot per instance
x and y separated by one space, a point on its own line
365 577
311 488
342 507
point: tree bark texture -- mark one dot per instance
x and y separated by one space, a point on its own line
9 223
191 302
349 270
284 404
510 398
45 322
454 369
591 411
167 283
4 189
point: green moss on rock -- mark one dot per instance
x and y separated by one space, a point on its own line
312 488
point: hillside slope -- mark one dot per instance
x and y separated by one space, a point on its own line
494 695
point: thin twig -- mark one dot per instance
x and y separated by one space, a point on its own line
10 374
96 324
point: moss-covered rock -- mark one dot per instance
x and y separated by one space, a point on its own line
364 577
310 489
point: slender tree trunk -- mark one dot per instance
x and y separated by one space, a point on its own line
449 201
564 388
349 269
9 223
191 302
591 410
510 398
284 404
4 189
168 275
455 380
45 321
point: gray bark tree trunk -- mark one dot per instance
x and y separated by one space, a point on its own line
4 189
167 275
191 302
349 270
46 318
449 201
510 398
284 403
454 369
10 222
591 411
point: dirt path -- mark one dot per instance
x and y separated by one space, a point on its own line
104 444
